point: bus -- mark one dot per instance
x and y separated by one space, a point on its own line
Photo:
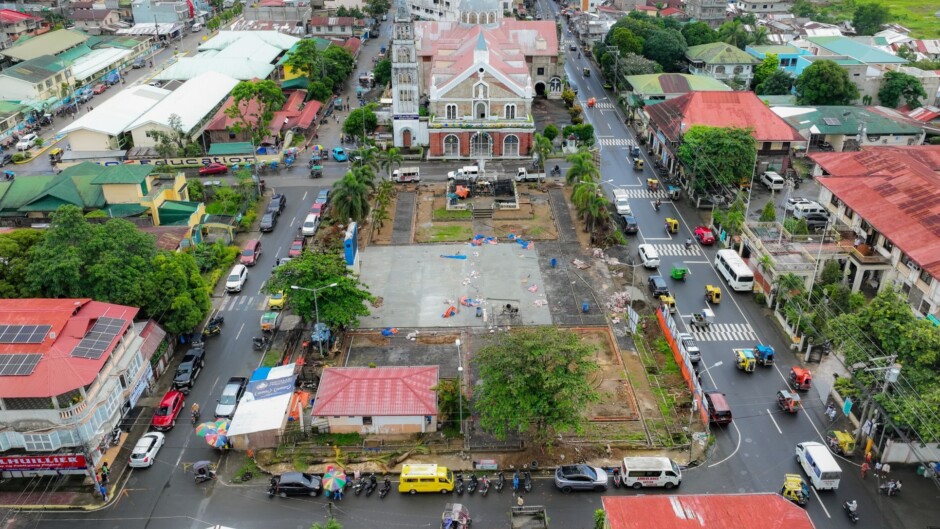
735 271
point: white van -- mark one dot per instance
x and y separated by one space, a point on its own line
622 202
821 468
639 472
802 210
467 172
772 180
406 174
648 255
311 223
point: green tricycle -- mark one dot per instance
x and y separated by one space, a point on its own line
679 271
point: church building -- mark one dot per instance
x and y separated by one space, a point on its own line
477 77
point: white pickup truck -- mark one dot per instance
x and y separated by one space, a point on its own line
523 175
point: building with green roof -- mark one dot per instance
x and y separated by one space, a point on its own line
723 62
842 126
35 80
51 43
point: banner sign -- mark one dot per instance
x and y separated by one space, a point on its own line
56 462
265 389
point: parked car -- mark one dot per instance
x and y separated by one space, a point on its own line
658 286
704 235
297 247
213 168
145 451
155 84
317 209
236 279
197 27
695 354
793 201
138 64
268 222
278 203
231 395
294 484
573 47
99 88
629 224
323 197
189 369
277 300
7 159
816 221
170 407
580 477
339 154
251 251
27 142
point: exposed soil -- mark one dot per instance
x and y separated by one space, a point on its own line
610 381
383 234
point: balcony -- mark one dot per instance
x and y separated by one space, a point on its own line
73 412
866 255
494 122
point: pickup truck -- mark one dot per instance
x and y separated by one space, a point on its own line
533 517
523 175
622 202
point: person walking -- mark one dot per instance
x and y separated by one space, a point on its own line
103 490
878 469
868 457
865 468
519 501
885 470
105 469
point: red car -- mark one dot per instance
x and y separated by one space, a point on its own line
170 407
317 209
704 235
297 247
250 253
99 89
213 168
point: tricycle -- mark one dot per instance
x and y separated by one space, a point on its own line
841 442
679 271
316 171
795 489
592 102
765 354
712 294
652 184
638 166
672 225
270 321
744 360
669 303
788 402
801 378
456 516
702 320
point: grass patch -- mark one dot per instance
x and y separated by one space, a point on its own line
338 439
916 15
248 466
449 233
271 359
443 214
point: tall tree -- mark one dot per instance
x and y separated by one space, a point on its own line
542 146
383 72
305 59
766 68
376 8
15 262
361 122
898 86
582 168
667 47
696 33
624 40
254 105
718 157
760 36
778 84
338 63
825 83
389 160
869 18
633 64
339 306
534 379
176 142
178 296
350 198
733 32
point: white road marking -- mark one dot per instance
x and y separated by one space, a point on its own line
304 197
240 329
771 415
262 286
821 504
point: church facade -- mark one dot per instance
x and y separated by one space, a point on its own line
477 77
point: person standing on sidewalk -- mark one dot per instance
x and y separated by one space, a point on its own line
885 470
865 468
868 457
878 469
103 490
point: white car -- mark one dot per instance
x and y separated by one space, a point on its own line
236 279
27 142
793 201
145 451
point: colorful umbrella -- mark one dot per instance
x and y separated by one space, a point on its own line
334 480
216 440
222 425
206 428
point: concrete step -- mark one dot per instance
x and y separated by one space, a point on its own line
481 213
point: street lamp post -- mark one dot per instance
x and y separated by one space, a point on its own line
460 383
316 308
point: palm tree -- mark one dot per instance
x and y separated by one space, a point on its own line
388 159
351 198
594 210
367 156
366 175
787 285
542 147
583 192
582 167
759 37
733 33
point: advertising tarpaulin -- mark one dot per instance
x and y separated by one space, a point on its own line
264 389
53 462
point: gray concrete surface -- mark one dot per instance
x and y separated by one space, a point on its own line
403 227
417 284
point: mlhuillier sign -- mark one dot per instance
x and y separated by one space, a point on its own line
56 462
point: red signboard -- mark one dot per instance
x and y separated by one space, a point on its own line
56 462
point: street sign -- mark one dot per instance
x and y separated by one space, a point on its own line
847 407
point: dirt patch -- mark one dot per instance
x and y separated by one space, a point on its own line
363 340
584 238
437 339
616 402
383 234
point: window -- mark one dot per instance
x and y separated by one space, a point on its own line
404 95
481 144
231 135
540 71
925 277
888 245
41 442
480 110
509 112
511 145
720 70
451 146
367 421
451 111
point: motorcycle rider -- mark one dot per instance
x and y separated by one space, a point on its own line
657 204
195 410
688 243
852 506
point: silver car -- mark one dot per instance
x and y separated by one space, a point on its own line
231 394
580 477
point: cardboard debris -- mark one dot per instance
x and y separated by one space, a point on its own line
581 265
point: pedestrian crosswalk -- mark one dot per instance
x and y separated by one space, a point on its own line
616 142
677 249
243 303
642 192
604 105
725 332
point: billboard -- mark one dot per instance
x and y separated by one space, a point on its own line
51 462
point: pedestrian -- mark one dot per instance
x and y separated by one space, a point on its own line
103 490
103 479
338 494
878 469
885 470
868 457
519 500
865 468
105 469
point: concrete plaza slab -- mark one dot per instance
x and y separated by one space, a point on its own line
418 283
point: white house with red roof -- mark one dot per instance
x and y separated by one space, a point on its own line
69 368
478 76
890 198
378 400
704 511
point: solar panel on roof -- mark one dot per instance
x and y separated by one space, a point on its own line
831 121
18 364
97 341
23 333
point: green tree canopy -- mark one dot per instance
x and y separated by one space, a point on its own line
254 105
15 248
339 306
338 63
778 84
898 86
667 47
697 33
718 157
642 26
319 91
869 18
633 64
361 122
383 72
733 32
351 198
825 83
624 40
766 68
377 8
305 59
551 132
176 142
178 295
534 379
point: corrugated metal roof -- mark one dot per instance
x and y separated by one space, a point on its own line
719 53
856 50
704 511
46 44
896 190
721 109
191 102
674 83
114 115
379 391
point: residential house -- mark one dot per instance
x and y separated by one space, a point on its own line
380 400
136 191
52 43
712 12
243 55
437 9
890 199
786 53
762 7
69 370
927 116
38 80
287 76
342 27
848 128
927 49
294 115
723 62
650 89
287 17
14 24
94 19
11 114
105 128
865 64
672 12
670 119
162 12
712 511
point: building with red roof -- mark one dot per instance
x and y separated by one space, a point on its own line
669 120
295 114
15 24
379 400
890 198
69 369
704 511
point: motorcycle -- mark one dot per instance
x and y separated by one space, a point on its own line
474 483
617 479
218 320
890 488
528 482
373 484
656 205
359 486
204 472
688 244
259 342
211 330
194 417
501 482
484 486
459 486
386 486
852 514
515 481
556 171
115 436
